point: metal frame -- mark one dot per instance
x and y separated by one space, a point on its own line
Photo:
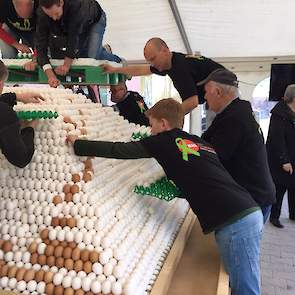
180 25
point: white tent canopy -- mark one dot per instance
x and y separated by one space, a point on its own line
216 28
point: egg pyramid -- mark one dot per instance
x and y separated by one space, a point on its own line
73 225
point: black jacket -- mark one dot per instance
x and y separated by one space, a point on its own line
77 18
132 108
239 143
281 143
16 145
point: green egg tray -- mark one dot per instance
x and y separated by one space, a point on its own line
33 115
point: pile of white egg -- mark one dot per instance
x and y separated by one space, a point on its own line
73 225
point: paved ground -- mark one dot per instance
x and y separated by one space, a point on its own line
278 257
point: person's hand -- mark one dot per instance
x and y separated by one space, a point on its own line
71 139
62 70
108 68
30 66
29 97
32 123
288 168
53 81
22 47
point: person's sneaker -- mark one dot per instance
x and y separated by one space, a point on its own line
275 222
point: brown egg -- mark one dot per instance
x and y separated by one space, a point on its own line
7 246
87 267
67 119
76 253
39 275
49 250
47 242
80 112
58 251
29 275
20 274
55 243
42 259
87 176
57 200
79 292
12 272
78 265
34 258
2 262
76 178
72 245
48 277
88 170
69 291
4 271
64 244
88 163
63 221
83 131
71 222
94 256
67 253
84 255
69 197
44 234
50 261
67 188
33 247
75 189
69 264
1 243
60 262
89 293
49 289
55 221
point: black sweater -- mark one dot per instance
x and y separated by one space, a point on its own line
78 16
238 140
16 145
213 195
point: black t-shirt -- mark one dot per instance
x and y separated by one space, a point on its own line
21 26
238 140
187 71
195 169
132 108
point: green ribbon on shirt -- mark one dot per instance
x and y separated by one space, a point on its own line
185 149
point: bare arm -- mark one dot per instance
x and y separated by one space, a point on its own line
190 103
142 70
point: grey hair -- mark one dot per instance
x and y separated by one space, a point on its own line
289 93
228 88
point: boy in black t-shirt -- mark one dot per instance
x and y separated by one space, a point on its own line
221 205
130 104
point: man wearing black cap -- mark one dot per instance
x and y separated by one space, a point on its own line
237 138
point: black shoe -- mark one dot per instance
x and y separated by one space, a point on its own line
276 223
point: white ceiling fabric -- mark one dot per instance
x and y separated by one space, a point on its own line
227 28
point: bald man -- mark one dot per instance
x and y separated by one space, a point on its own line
184 70
17 21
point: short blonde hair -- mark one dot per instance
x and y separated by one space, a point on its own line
168 109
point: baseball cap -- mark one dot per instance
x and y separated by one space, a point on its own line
222 76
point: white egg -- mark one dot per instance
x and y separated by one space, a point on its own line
21 286
76 283
57 279
117 288
41 248
86 284
97 268
106 287
67 281
95 287
108 269
32 286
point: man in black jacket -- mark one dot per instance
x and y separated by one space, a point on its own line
72 29
130 104
237 138
16 139
18 21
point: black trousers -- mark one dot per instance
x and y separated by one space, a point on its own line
276 208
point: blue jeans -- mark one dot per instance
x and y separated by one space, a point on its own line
7 51
265 212
91 44
239 246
